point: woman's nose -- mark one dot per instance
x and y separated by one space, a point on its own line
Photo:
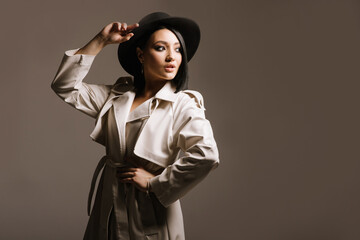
169 57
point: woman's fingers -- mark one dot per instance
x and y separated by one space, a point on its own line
126 30
137 176
114 27
128 36
126 180
124 26
117 32
125 174
132 27
121 27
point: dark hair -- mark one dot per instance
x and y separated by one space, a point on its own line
181 78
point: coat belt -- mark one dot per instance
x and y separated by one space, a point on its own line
120 211
105 160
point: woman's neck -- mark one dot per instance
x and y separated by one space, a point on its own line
151 88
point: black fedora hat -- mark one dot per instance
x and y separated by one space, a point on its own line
188 29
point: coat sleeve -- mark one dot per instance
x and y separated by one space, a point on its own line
194 136
68 84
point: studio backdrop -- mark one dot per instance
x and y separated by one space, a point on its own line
280 81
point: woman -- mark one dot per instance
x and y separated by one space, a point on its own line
158 142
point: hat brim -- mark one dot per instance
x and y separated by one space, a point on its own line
188 29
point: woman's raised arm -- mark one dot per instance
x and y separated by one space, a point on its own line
68 82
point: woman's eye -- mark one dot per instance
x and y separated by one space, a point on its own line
178 49
159 48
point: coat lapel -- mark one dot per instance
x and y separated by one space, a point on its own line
122 107
152 143
121 98
148 144
97 134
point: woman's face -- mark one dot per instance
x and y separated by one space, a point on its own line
161 57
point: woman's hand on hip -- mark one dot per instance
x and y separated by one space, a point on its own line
137 176
112 33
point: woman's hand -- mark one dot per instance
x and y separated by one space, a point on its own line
114 32
137 176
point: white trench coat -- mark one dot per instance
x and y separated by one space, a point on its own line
177 124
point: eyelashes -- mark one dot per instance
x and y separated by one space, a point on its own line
162 48
159 48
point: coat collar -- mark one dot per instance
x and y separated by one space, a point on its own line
167 92
121 99
122 85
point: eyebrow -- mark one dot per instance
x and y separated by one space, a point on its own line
165 43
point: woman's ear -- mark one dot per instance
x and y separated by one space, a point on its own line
140 55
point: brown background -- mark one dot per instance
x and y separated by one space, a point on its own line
281 86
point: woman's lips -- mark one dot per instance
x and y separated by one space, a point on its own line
170 68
